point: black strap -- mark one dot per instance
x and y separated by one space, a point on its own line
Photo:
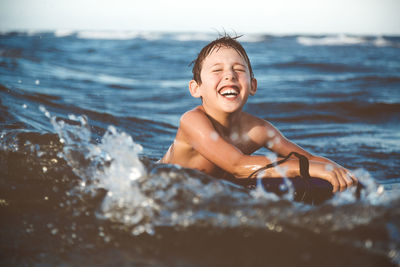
304 170
303 162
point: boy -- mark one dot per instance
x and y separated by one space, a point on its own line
218 138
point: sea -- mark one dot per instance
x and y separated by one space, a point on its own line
86 115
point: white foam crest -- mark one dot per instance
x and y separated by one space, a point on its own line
172 83
67 73
151 36
63 33
252 38
340 39
194 36
34 32
108 35
382 42
105 78
120 35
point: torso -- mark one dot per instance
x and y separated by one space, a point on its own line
183 154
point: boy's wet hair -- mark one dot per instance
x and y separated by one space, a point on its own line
223 41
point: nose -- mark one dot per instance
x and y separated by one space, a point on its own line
229 75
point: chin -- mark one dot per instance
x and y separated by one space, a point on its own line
232 109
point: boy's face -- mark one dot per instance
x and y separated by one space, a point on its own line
226 82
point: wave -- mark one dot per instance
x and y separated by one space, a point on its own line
332 112
343 40
74 192
32 103
326 67
375 79
11 53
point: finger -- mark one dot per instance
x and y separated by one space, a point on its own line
353 177
335 183
342 182
346 177
350 175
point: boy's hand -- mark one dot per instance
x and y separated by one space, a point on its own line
339 177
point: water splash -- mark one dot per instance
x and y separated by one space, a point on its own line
112 164
372 193
143 198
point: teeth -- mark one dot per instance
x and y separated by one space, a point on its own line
229 92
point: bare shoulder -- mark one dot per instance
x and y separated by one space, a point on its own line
254 123
194 118
195 113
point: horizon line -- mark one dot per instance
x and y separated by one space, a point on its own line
211 31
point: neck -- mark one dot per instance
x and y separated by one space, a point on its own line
224 123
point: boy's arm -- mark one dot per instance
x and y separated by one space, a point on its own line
201 135
321 167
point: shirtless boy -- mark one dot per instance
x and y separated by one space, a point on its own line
218 138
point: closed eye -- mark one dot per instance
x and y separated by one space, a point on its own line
240 70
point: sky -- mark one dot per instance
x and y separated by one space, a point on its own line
365 17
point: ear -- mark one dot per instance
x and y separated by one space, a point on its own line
253 88
194 89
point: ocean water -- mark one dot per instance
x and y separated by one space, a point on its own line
84 117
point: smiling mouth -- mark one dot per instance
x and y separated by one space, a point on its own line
229 92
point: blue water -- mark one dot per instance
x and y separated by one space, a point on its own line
84 116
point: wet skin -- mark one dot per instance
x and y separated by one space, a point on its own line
218 138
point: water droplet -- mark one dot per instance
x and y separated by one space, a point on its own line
277 140
270 144
214 136
238 213
37 82
368 243
3 202
195 200
329 167
46 198
134 174
25 106
54 231
270 226
271 133
234 136
283 187
380 189
392 253
149 229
